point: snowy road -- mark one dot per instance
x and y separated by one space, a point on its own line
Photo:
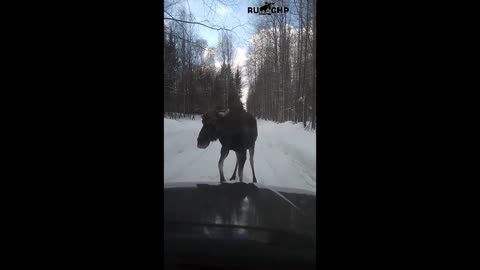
284 155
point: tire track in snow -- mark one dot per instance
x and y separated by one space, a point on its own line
278 168
179 172
180 143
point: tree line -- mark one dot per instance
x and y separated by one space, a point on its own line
192 83
282 65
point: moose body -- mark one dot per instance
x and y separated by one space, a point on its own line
236 130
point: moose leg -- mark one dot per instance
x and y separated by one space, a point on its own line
223 156
235 171
251 150
242 157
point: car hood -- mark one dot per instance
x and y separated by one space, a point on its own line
241 205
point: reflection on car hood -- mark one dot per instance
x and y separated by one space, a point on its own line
241 205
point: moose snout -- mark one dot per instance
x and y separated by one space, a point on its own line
202 145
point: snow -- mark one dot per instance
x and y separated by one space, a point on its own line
284 155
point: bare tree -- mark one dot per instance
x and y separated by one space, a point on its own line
286 55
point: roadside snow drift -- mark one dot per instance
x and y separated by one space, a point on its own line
284 155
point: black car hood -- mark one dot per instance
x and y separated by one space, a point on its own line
243 205
223 220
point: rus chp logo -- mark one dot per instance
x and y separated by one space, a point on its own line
267 9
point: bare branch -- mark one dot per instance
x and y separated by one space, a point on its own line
194 43
183 26
173 3
199 23
218 29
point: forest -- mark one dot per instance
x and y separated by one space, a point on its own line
279 77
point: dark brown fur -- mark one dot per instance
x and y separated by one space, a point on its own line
236 130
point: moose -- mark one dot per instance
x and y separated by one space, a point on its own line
266 6
237 130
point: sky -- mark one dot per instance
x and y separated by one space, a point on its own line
231 14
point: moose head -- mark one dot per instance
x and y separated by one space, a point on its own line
210 128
